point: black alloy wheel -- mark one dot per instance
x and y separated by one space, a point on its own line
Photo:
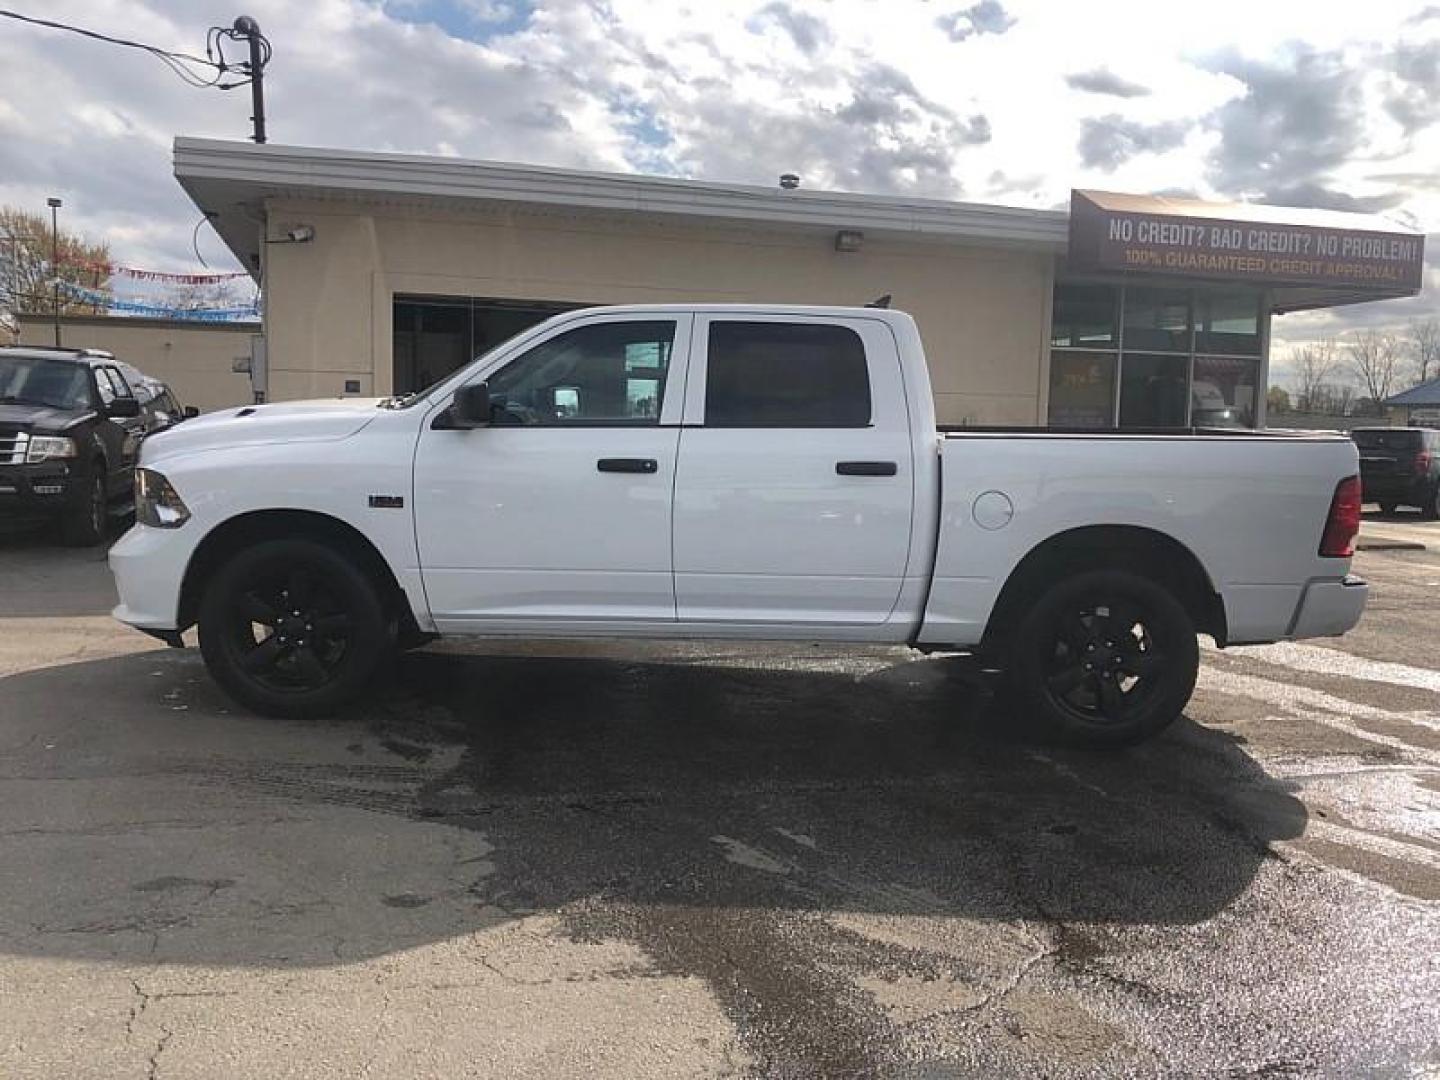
1105 658
292 628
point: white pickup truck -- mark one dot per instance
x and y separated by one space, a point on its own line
718 471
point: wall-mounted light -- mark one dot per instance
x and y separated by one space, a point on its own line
849 240
301 234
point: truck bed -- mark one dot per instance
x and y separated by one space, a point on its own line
1250 506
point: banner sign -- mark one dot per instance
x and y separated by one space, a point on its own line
158 311
113 270
1275 245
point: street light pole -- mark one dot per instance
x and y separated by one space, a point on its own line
55 205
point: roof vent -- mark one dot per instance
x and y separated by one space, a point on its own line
789 181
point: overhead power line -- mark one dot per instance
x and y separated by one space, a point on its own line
186 66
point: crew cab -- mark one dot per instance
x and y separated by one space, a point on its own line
731 472
69 427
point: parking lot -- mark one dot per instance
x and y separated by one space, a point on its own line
544 860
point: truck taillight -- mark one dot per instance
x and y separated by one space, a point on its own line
1422 463
1343 524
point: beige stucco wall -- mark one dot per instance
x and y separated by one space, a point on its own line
983 312
194 360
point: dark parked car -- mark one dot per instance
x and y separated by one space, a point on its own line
159 407
1400 467
70 425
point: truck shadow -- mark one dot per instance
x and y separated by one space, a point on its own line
628 793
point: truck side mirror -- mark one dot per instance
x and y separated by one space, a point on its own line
471 407
123 408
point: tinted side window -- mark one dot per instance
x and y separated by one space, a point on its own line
607 373
103 382
1401 441
766 374
122 388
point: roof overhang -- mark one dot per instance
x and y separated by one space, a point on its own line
232 181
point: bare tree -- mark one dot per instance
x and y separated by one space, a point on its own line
25 274
1314 364
1374 357
1423 337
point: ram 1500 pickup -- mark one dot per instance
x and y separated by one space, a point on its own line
717 471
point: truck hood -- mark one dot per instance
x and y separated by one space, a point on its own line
293 421
39 419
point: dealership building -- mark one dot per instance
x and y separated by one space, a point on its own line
383 272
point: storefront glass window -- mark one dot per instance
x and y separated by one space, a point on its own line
1085 316
1180 356
1223 392
1082 389
1157 319
1228 323
1152 390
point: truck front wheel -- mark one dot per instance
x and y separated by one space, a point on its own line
292 628
1105 658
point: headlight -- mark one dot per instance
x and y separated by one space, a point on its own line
156 502
49 448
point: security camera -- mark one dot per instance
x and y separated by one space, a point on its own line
300 234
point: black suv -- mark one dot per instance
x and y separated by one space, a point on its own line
70 426
1400 467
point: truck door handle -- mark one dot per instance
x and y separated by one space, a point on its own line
627 464
866 468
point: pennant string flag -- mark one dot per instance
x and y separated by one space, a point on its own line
116 270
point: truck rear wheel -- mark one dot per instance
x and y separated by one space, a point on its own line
292 628
1105 658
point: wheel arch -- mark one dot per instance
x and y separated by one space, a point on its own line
1135 549
253 527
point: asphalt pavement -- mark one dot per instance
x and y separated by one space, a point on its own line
620 860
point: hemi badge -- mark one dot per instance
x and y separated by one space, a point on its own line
387 502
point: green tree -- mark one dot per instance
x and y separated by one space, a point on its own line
25 275
1277 400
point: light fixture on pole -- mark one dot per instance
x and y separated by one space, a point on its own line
55 205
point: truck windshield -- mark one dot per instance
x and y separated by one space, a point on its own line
33 380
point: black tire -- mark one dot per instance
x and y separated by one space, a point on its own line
1387 507
1140 647
85 523
1430 509
280 663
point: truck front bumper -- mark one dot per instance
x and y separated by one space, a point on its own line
1329 608
149 567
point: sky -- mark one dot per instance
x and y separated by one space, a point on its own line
1296 102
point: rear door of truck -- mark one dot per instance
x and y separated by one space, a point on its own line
794 488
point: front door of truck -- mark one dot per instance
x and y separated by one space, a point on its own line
559 512
795 485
